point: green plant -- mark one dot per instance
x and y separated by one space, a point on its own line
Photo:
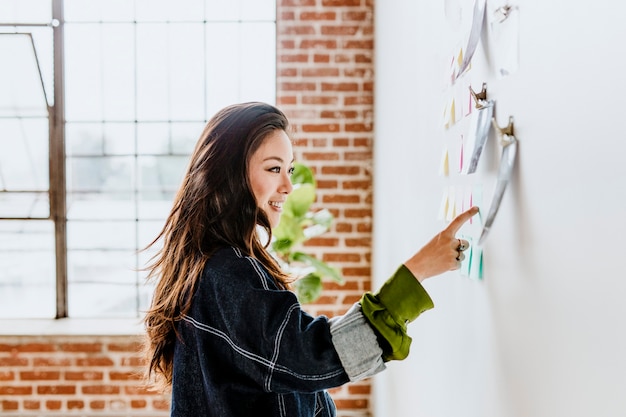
299 223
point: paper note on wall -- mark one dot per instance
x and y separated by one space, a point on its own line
503 24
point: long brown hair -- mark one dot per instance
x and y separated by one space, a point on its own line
214 207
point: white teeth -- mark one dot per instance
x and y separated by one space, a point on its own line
276 204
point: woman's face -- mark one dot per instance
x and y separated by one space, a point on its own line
269 172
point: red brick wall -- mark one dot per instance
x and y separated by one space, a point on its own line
325 85
74 375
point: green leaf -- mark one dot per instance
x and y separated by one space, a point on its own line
299 201
321 267
308 288
302 174
286 234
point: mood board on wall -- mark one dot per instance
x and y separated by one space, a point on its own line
477 153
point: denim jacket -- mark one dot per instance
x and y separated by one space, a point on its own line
246 348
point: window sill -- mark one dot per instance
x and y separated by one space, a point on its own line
71 327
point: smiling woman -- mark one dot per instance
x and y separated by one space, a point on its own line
223 324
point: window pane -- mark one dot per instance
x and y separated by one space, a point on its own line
102 283
118 74
101 235
258 10
24 205
83 72
24 154
152 72
101 206
99 10
21 85
100 174
27 269
186 75
173 11
26 11
258 62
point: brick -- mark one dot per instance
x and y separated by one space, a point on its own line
358 100
81 347
339 114
316 100
359 127
357 185
125 376
326 15
341 198
295 30
95 361
343 30
8 405
341 170
83 375
36 347
340 3
13 361
361 389
358 156
351 404
160 405
7 375
320 72
54 405
100 389
318 44
31 405
298 3
364 213
365 242
97 405
326 184
124 347
341 257
357 15
39 375
15 390
133 361
62 362
135 404
339 86
288 86
75 405
301 58
357 271
321 58
322 127
139 390
56 389
322 241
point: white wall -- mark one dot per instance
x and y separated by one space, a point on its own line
544 334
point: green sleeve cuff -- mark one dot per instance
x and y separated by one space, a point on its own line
398 302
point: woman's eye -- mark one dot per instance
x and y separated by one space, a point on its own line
275 169
291 170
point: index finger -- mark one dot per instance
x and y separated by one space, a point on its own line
459 220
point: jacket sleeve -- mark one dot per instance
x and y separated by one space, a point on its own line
398 302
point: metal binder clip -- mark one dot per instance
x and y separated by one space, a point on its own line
505 172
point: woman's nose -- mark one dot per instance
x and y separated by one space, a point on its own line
287 186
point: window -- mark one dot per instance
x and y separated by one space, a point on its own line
132 83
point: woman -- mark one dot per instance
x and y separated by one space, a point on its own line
224 331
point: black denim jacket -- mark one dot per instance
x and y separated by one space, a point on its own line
247 349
